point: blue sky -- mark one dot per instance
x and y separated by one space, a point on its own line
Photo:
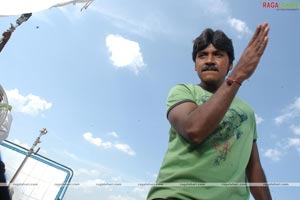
98 79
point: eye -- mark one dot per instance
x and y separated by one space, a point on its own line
218 54
201 55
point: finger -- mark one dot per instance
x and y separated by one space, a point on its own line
265 24
266 29
261 36
265 36
258 29
263 46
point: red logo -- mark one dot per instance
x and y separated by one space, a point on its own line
270 4
281 5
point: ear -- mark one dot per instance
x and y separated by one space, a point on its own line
229 67
195 67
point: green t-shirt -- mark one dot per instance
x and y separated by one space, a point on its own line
221 158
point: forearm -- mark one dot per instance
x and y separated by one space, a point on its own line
260 191
202 121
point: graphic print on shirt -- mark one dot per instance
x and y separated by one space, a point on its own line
228 128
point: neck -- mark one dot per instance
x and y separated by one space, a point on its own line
210 87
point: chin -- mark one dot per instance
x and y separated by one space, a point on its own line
209 80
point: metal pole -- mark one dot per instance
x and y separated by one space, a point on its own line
29 153
6 35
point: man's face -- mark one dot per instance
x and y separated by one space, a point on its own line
212 66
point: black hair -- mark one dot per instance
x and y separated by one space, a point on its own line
217 38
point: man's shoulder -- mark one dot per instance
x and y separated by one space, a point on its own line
181 93
185 86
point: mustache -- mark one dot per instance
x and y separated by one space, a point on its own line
210 67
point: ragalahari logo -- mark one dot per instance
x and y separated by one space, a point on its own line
281 5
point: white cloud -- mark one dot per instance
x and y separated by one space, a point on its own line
283 148
290 113
113 134
99 142
296 104
273 154
220 12
259 119
291 116
125 148
125 53
282 118
239 25
96 141
295 129
293 142
30 104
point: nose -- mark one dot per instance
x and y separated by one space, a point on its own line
210 59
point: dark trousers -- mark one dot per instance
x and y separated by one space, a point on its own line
4 191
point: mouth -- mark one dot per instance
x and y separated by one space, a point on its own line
210 68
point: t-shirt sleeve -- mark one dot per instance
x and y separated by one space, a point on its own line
255 136
255 128
179 94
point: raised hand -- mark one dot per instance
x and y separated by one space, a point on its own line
252 54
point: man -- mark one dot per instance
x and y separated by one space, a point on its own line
213 134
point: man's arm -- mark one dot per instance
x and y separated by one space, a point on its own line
255 174
196 123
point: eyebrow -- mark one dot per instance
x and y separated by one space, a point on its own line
216 51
